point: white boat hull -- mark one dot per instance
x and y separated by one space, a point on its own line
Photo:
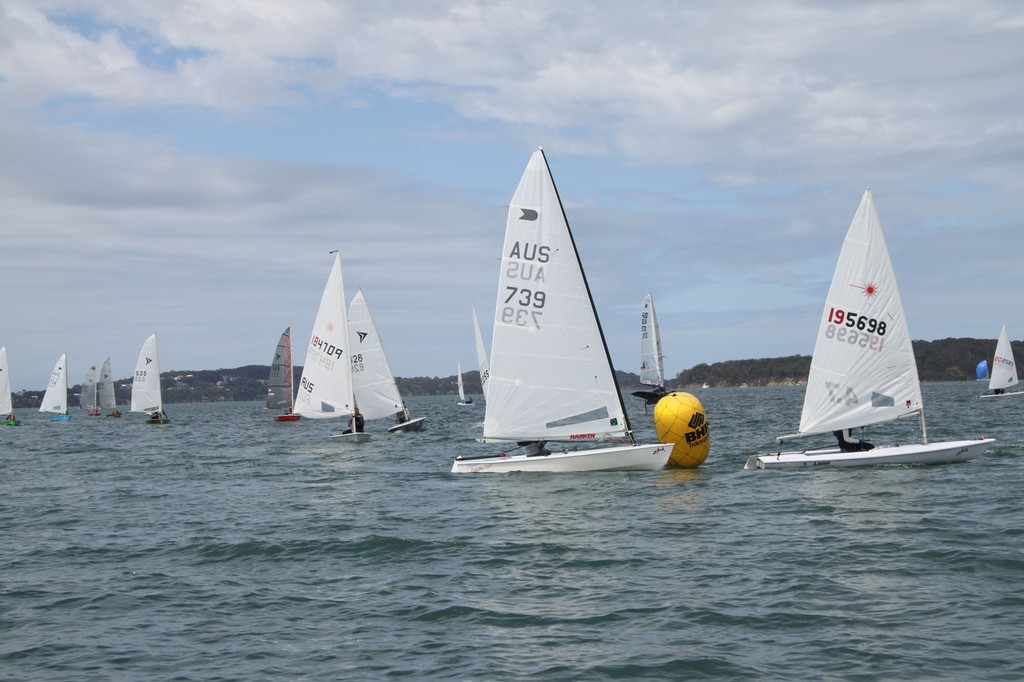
650 457
360 437
1000 395
915 453
411 425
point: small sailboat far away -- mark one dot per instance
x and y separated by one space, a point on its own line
652 369
325 390
89 397
481 356
463 400
863 369
373 381
55 399
551 377
1004 370
280 395
7 417
147 395
105 390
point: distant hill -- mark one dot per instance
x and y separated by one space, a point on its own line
945 360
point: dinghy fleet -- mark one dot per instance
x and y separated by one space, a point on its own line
552 402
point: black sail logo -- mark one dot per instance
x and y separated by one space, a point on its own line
528 214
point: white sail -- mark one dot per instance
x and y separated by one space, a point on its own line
550 375
146 394
1004 370
279 386
105 387
56 397
863 370
481 355
6 402
462 389
372 380
88 398
325 390
652 371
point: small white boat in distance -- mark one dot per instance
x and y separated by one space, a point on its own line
652 367
55 399
1004 370
551 378
147 395
463 400
373 382
863 369
325 390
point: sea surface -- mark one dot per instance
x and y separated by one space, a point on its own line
225 546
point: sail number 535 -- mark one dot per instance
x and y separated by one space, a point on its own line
523 306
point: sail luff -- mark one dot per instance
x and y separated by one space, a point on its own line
481 355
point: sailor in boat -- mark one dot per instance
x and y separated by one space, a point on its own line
356 422
534 448
402 416
157 416
850 443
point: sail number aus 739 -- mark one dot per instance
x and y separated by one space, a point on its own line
523 306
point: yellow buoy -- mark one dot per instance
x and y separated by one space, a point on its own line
679 418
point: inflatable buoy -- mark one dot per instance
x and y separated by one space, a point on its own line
679 418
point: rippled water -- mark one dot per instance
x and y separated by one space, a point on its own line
226 546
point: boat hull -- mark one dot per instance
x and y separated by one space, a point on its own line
60 418
287 418
1000 395
915 453
649 457
358 437
411 425
157 421
10 422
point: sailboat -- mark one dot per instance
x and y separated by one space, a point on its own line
373 381
863 369
1004 370
88 399
105 390
146 394
7 417
280 394
463 400
325 390
551 376
481 356
652 370
56 397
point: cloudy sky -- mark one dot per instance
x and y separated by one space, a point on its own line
185 168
